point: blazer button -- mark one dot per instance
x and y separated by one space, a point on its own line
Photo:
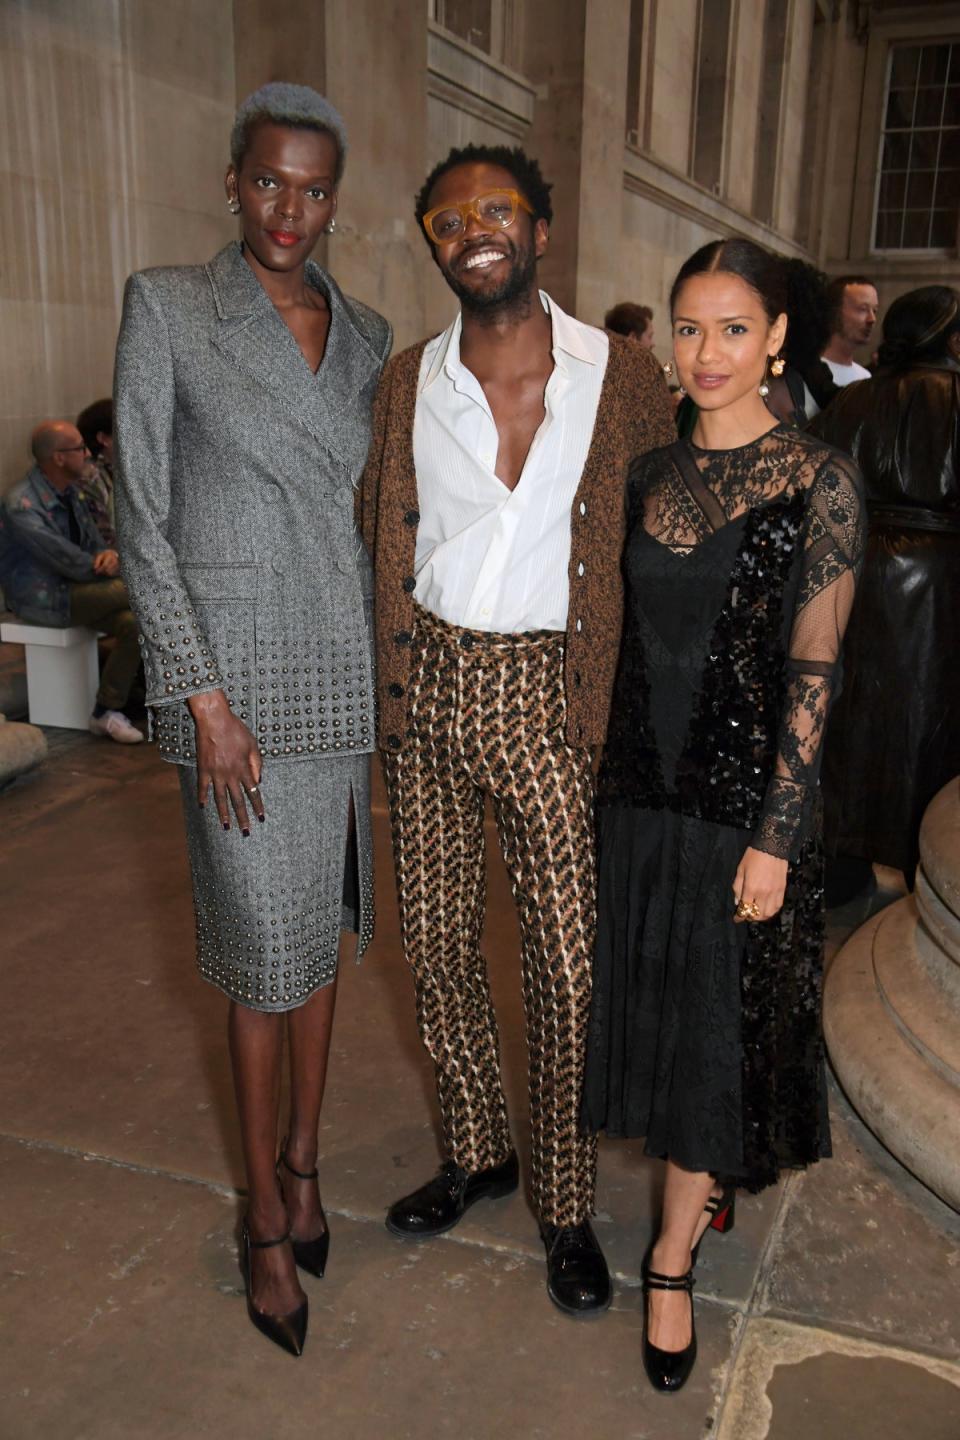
412 517
403 637
395 690
394 742
410 584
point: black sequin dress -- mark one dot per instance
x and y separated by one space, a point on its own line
705 1035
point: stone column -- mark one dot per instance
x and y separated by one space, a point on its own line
892 1011
377 76
370 59
579 64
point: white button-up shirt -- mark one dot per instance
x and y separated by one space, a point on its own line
489 558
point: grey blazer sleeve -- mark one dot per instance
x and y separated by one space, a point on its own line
178 660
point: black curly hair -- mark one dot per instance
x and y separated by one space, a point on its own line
524 169
810 321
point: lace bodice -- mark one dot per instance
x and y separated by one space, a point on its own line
681 497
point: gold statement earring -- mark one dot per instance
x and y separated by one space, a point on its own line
667 368
778 366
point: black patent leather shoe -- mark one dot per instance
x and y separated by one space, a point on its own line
440 1204
668 1370
578 1280
288 1331
310 1255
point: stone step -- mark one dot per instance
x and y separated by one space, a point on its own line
941 922
907 1103
920 987
940 845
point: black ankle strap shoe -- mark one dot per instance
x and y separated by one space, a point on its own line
668 1370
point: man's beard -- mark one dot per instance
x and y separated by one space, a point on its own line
513 289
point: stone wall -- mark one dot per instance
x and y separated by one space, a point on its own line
116 115
115 118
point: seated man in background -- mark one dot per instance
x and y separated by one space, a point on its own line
55 570
96 426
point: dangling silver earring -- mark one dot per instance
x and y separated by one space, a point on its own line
680 391
763 389
233 206
330 226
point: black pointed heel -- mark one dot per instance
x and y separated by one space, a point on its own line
287 1331
668 1370
310 1255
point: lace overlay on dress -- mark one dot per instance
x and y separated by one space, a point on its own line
811 496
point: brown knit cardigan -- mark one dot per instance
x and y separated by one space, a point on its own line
633 416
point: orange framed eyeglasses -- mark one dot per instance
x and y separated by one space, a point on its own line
495 208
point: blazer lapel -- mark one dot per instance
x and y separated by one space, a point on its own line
252 335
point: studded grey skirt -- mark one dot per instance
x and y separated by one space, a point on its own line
270 908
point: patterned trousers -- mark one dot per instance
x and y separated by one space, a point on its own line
486 718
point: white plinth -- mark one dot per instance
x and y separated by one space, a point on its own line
62 672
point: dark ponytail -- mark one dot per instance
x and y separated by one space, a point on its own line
760 269
918 326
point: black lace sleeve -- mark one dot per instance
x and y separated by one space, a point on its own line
833 552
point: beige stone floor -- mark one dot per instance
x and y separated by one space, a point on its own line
831 1311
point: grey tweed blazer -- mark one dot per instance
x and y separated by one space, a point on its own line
235 476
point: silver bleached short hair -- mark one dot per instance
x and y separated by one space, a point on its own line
283 104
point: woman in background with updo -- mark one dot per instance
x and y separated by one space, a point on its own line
243 396
894 739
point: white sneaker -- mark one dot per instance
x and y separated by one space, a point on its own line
115 726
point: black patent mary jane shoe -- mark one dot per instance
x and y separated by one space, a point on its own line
668 1370
441 1203
288 1331
310 1255
578 1280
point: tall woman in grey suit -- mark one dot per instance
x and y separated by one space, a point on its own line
243 392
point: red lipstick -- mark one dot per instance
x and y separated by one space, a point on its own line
286 238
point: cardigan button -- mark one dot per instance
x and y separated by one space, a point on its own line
403 637
396 690
394 742
412 517
410 584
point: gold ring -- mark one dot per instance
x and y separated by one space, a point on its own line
748 910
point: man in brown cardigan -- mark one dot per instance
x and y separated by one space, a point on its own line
493 506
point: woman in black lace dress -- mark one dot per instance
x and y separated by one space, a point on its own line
743 546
